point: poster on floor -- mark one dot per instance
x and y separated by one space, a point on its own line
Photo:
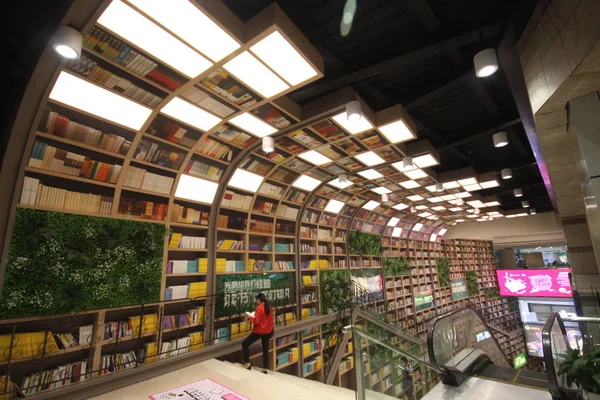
424 300
459 288
206 389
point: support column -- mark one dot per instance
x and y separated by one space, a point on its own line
507 259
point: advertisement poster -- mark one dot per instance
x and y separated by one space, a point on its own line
533 339
424 300
206 389
238 291
459 288
373 284
537 283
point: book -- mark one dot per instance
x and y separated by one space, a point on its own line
250 314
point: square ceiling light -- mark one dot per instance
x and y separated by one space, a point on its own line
393 221
382 190
336 182
415 197
371 205
431 188
253 125
433 237
489 184
471 188
416 174
397 232
435 199
467 181
472 216
409 184
400 166
370 174
282 57
451 185
314 157
460 220
145 34
86 96
424 161
334 206
306 182
476 203
256 75
442 232
422 207
196 189
424 214
417 227
438 208
245 180
400 207
448 197
492 203
369 158
353 127
397 132
463 195
456 209
190 114
189 23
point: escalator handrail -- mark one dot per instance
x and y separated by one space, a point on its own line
431 329
547 348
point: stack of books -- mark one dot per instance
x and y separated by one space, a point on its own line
188 215
59 376
117 362
182 266
139 178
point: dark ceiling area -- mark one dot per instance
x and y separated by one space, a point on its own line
419 53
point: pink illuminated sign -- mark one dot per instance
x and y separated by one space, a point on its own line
535 282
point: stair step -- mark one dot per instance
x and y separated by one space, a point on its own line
328 390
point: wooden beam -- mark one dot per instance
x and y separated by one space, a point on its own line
425 14
502 126
483 94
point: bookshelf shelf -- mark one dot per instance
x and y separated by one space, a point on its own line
279 367
312 372
142 191
64 211
186 274
151 165
68 177
147 136
113 341
283 346
58 352
79 144
188 226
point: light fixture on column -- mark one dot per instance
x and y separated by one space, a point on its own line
67 42
460 202
476 211
500 139
525 204
486 63
506 173
407 163
518 192
532 211
268 144
385 197
413 209
353 111
439 187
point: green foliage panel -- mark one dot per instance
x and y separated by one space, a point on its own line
443 271
396 266
472 285
491 293
61 263
335 290
364 244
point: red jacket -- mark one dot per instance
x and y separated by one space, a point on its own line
263 324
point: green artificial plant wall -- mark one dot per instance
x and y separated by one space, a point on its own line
63 263
443 271
364 244
491 293
335 290
396 266
472 285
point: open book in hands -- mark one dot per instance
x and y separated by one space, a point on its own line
250 314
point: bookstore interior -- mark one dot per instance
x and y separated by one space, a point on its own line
155 182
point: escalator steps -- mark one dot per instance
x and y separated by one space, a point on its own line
526 378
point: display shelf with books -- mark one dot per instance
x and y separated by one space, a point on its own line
149 178
159 153
172 132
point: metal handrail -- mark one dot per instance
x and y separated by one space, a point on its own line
553 385
595 320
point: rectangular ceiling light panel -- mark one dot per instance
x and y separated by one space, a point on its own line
417 227
400 207
397 232
416 174
283 58
369 158
400 166
422 207
450 185
424 214
254 74
306 182
415 197
140 31
86 96
336 182
435 199
409 184
353 127
397 132
425 161
471 188
190 114
489 184
196 189
253 125
382 190
438 208
245 180
393 222
314 157
371 205
334 206
189 23
370 174
467 181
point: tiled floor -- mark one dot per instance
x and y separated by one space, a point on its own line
483 389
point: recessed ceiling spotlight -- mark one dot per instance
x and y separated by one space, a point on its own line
518 192
413 209
460 202
476 211
439 187
268 144
353 111
486 63
500 139
67 42
407 163
385 197
343 178
506 173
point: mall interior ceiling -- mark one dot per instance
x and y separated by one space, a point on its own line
415 52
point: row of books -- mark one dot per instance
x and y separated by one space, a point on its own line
90 69
271 190
121 53
235 200
315 264
204 100
231 222
188 215
50 158
258 247
310 279
309 297
287 356
175 347
156 153
307 248
59 125
337 263
232 135
257 166
27 344
165 129
308 313
201 169
318 202
223 265
222 83
272 116
260 226
59 376
191 290
323 250
139 178
214 149
340 236
187 266
178 240
285 228
324 234
307 232
265 207
296 196
284 175
179 321
286 211
284 247
117 362
36 194
337 249
229 244
264 265
286 319
327 219
142 209
310 216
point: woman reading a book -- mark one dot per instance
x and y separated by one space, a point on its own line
262 319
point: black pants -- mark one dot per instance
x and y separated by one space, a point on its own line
264 339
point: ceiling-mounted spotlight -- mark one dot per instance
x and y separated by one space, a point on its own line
407 162
353 111
476 211
439 187
343 178
67 42
525 204
532 211
268 144
506 173
413 209
518 192
500 139
385 197
460 202
486 63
